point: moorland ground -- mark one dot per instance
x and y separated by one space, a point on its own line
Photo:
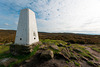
69 49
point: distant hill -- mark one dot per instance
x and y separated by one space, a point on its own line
9 36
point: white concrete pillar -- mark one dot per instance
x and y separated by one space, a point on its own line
27 28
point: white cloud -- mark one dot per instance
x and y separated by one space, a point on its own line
6 24
81 16
72 16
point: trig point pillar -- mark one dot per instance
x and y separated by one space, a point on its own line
26 35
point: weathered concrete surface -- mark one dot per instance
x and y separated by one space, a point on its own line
16 49
27 29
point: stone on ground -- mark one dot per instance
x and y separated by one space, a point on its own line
47 54
55 47
60 45
6 61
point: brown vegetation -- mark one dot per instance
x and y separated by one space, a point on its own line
73 38
9 36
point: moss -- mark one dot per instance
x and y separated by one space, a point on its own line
66 66
81 50
78 46
90 63
77 50
66 52
70 48
89 57
2 66
56 42
4 48
76 63
21 58
4 51
5 55
95 59
73 57
67 62
54 51
96 49
86 55
20 49
70 51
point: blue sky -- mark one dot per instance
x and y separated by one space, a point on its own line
75 16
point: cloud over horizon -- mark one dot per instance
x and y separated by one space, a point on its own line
77 16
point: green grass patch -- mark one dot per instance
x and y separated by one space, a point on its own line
5 54
76 63
21 58
93 57
82 48
55 51
86 55
4 48
73 51
56 42
2 66
84 52
90 63
67 62
95 48
4 51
